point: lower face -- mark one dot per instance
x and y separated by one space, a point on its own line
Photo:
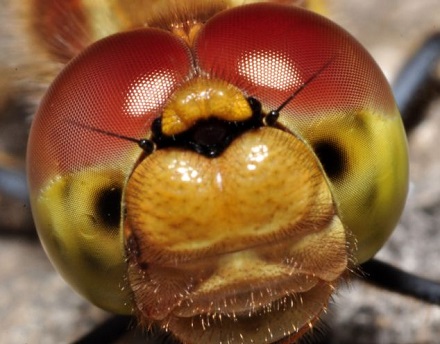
252 256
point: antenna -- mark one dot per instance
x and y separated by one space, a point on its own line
147 146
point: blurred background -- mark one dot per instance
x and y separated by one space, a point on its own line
37 306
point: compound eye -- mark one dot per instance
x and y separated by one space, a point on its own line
347 114
76 175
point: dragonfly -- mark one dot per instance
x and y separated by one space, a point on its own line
310 80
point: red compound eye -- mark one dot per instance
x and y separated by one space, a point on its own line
120 85
271 50
76 174
346 113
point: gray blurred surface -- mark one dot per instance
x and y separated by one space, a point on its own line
36 306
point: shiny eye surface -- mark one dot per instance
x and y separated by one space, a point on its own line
231 228
349 104
117 85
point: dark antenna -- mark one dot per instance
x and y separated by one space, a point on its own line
273 115
147 146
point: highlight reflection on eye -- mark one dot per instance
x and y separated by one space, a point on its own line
146 92
255 66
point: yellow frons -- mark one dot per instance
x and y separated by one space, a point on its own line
203 98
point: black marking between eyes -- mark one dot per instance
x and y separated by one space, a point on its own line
108 206
209 137
332 157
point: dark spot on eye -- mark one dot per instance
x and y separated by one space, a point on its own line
58 244
332 158
358 122
67 188
371 196
91 260
108 206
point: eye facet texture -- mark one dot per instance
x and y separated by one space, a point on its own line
350 104
119 85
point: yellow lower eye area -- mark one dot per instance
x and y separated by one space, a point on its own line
80 214
258 239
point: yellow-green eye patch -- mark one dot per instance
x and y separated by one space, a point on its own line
79 217
364 157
